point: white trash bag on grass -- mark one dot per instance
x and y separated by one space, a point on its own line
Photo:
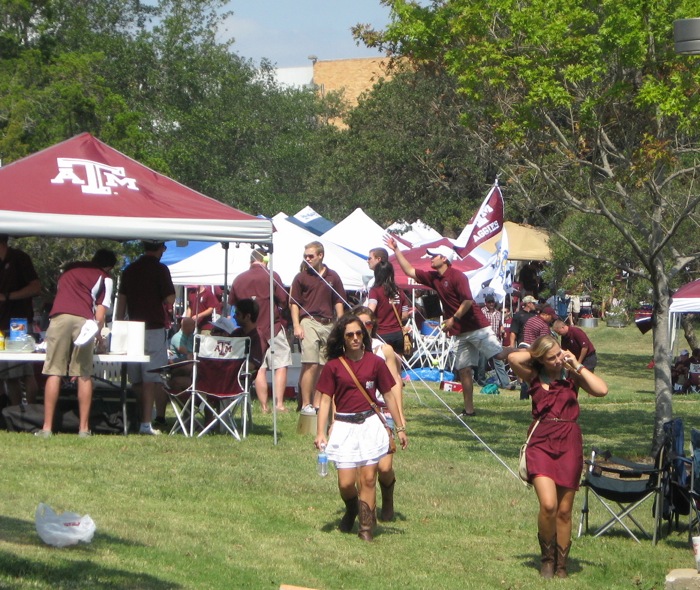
61 530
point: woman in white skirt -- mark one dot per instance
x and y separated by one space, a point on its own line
358 439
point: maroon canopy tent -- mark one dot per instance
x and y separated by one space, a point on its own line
84 188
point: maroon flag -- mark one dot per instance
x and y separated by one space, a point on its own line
486 223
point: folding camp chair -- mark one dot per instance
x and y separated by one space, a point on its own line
220 387
694 484
676 478
628 485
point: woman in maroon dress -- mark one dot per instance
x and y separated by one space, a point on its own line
555 451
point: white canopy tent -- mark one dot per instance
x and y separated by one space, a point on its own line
207 266
684 300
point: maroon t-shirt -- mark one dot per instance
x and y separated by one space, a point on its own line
16 272
81 287
255 284
453 288
371 372
576 340
146 283
387 322
198 302
317 296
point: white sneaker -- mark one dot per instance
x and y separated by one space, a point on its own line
87 333
308 410
148 430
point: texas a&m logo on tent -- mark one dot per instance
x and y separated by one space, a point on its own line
94 178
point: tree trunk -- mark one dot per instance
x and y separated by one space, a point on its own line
687 321
662 356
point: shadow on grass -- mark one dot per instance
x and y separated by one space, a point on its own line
505 430
624 365
77 574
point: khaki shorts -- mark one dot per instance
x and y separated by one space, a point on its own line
470 344
62 356
313 346
283 353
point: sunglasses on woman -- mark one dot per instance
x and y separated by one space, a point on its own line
351 335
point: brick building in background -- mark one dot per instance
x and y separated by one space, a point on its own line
352 76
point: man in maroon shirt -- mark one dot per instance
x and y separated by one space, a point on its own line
145 293
316 299
84 293
577 342
201 305
19 284
254 283
464 319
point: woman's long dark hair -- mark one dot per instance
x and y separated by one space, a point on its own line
335 345
384 277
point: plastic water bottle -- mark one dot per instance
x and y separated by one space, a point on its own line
322 465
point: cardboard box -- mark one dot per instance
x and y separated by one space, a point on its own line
451 386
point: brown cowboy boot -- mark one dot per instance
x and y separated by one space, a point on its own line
548 549
562 557
368 518
387 512
348 520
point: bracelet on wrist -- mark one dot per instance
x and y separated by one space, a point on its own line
581 366
400 429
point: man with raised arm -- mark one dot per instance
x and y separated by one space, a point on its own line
463 318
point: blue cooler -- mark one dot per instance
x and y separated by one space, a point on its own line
430 328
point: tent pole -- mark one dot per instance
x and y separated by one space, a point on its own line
224 302
272 347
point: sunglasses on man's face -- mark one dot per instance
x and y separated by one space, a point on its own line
351 335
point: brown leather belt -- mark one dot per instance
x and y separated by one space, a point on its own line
322 320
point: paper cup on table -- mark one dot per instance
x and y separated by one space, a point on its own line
696 551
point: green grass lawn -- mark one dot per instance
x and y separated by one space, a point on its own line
215 513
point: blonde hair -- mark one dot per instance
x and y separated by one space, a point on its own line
542 346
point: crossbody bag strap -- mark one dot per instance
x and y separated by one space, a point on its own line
398 317
363 390
527 442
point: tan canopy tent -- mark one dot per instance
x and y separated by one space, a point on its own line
525 242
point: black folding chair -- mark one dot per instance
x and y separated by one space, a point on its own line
677 477
694 484
615 481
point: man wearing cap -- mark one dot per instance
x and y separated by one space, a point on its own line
254 283
146 292
528 309
463 319
83 297
577 342
539 325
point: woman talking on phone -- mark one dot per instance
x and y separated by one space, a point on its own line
555 451
358 438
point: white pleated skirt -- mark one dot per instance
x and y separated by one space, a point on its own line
353 445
